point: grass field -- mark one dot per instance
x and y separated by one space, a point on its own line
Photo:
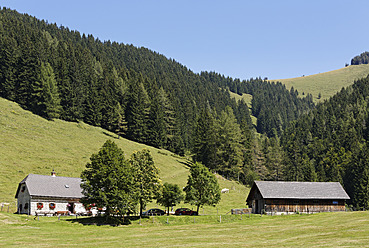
31 144
346 229
327 83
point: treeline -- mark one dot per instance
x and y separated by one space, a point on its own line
134 92
331 143
272 104
137 93
361 59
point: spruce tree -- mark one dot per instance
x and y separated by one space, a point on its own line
50 95
137 111
229 150
361 179
205 141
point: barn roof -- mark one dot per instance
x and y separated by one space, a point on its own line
52 186
300 190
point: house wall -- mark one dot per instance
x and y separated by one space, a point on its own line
63 206
23 202
28 205
279 206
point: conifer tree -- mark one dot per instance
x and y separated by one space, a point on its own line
137 111
157 127
361 179
29 89
8 61
50 95
204 142
229 151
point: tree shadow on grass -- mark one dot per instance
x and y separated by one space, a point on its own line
104 221
116 136
186 164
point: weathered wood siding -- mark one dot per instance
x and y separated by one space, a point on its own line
303 205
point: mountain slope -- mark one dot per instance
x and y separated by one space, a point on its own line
327 83
31 144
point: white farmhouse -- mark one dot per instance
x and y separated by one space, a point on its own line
48 195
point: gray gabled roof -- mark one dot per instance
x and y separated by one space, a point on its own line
301 190
49 186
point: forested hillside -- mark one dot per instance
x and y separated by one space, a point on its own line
331 143
139 94
272 104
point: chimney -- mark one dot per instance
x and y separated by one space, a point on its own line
53 174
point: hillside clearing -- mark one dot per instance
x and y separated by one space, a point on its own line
327 83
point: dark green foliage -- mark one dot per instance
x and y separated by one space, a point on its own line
230 145
50 107
170 196
360 176
205 141
146 177
272 104
361 59
202 187
137 111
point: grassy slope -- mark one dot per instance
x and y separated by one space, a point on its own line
328 83
345 229
247 98
31 144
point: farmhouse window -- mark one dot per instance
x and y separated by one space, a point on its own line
23 188
26 206
52 205
40 205
335 202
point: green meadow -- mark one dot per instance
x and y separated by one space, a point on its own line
31 144
345 229
328 83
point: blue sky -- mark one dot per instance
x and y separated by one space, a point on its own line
241 39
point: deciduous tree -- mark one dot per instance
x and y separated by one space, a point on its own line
170 196
146 177
202 187
108 181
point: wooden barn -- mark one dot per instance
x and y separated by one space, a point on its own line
276 197
49 195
